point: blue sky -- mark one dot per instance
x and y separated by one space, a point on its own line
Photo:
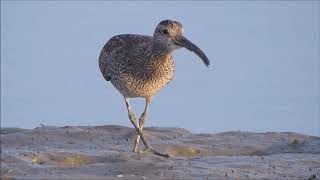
264 73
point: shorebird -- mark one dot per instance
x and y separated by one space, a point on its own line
140 66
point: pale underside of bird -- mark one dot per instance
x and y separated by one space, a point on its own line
140 66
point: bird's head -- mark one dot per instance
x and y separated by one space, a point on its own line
170 34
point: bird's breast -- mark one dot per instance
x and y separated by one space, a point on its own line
144 80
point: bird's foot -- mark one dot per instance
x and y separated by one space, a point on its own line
135 149
150 150
162 154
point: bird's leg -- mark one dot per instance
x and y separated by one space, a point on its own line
142 120
136 126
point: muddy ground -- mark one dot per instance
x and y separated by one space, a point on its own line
104 152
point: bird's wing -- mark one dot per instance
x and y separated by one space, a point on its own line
118 49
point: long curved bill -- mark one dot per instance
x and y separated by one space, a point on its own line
184 42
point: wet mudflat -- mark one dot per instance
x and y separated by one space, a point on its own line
104 152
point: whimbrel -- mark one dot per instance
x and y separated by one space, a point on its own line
140 66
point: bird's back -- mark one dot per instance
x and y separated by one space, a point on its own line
117 50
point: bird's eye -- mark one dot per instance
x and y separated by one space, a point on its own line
165 31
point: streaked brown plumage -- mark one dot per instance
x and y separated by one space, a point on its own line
140 66
135 72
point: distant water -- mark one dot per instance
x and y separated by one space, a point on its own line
264 74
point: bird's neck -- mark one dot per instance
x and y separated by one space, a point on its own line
159 54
